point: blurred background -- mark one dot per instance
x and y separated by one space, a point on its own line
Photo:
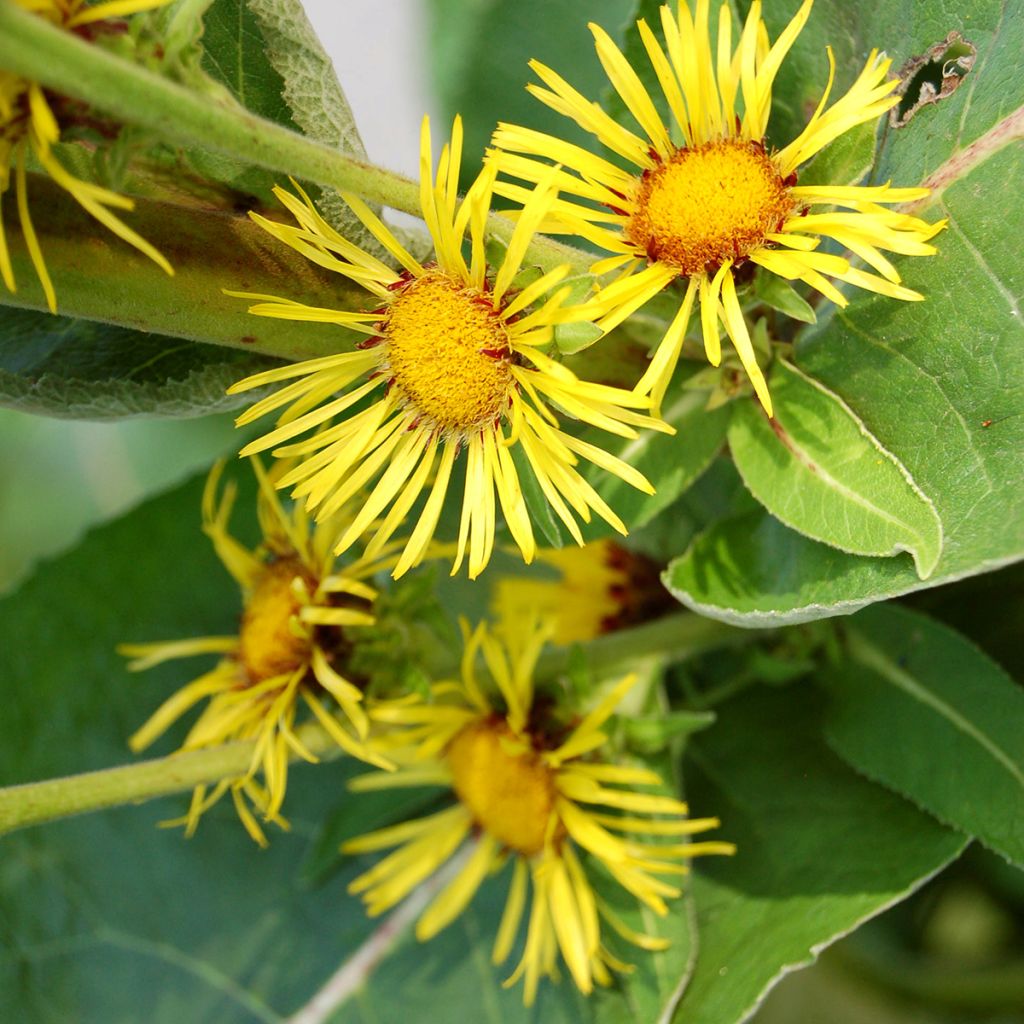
949 955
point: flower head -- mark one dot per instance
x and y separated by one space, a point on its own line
601 586
300 609
527 785
28 125
695 199
453 362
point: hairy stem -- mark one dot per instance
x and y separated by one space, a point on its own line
677 637
39 802
31 47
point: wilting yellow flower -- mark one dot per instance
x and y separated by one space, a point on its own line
454 362
708 192
28 125
601 587
528 787
289 651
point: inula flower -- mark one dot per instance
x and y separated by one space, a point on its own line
694 199
601 587
453 363
29 125
529 784
300 610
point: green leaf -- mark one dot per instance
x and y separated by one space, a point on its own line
267 54
819 470
235 55
313 96
109 918
480 60
778 293
572 338
57 366
939 383
847 161
912 688
670 462
820 850
542 515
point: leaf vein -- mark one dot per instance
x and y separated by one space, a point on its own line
870 656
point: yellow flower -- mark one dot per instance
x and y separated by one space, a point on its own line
454 361
290 649
707 193
527 786
29 125
601 587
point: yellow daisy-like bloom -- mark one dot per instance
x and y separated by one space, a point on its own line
707 193
289 651
602 587
528 786
454 361
28 125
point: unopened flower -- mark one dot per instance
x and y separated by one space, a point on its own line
300 609
695 199
28 125
453 363
532 784
600 587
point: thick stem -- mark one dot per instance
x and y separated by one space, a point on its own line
677 637
39 802
31 47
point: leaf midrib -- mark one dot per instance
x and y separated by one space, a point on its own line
862 650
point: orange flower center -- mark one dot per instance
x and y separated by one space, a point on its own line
271 643
504 784
448 351
708 204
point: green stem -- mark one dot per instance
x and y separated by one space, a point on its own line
31 47
677 637
39 802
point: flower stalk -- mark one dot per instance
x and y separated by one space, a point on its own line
38 802
676 637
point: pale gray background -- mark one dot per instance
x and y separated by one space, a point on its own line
380 49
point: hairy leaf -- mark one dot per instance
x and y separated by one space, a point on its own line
87 370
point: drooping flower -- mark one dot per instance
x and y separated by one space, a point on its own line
454 362
28 125
529 785
694 199
601 586
289 653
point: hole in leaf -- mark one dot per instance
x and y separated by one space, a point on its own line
932 77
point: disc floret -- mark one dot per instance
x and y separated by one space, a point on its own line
535 781
690 199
